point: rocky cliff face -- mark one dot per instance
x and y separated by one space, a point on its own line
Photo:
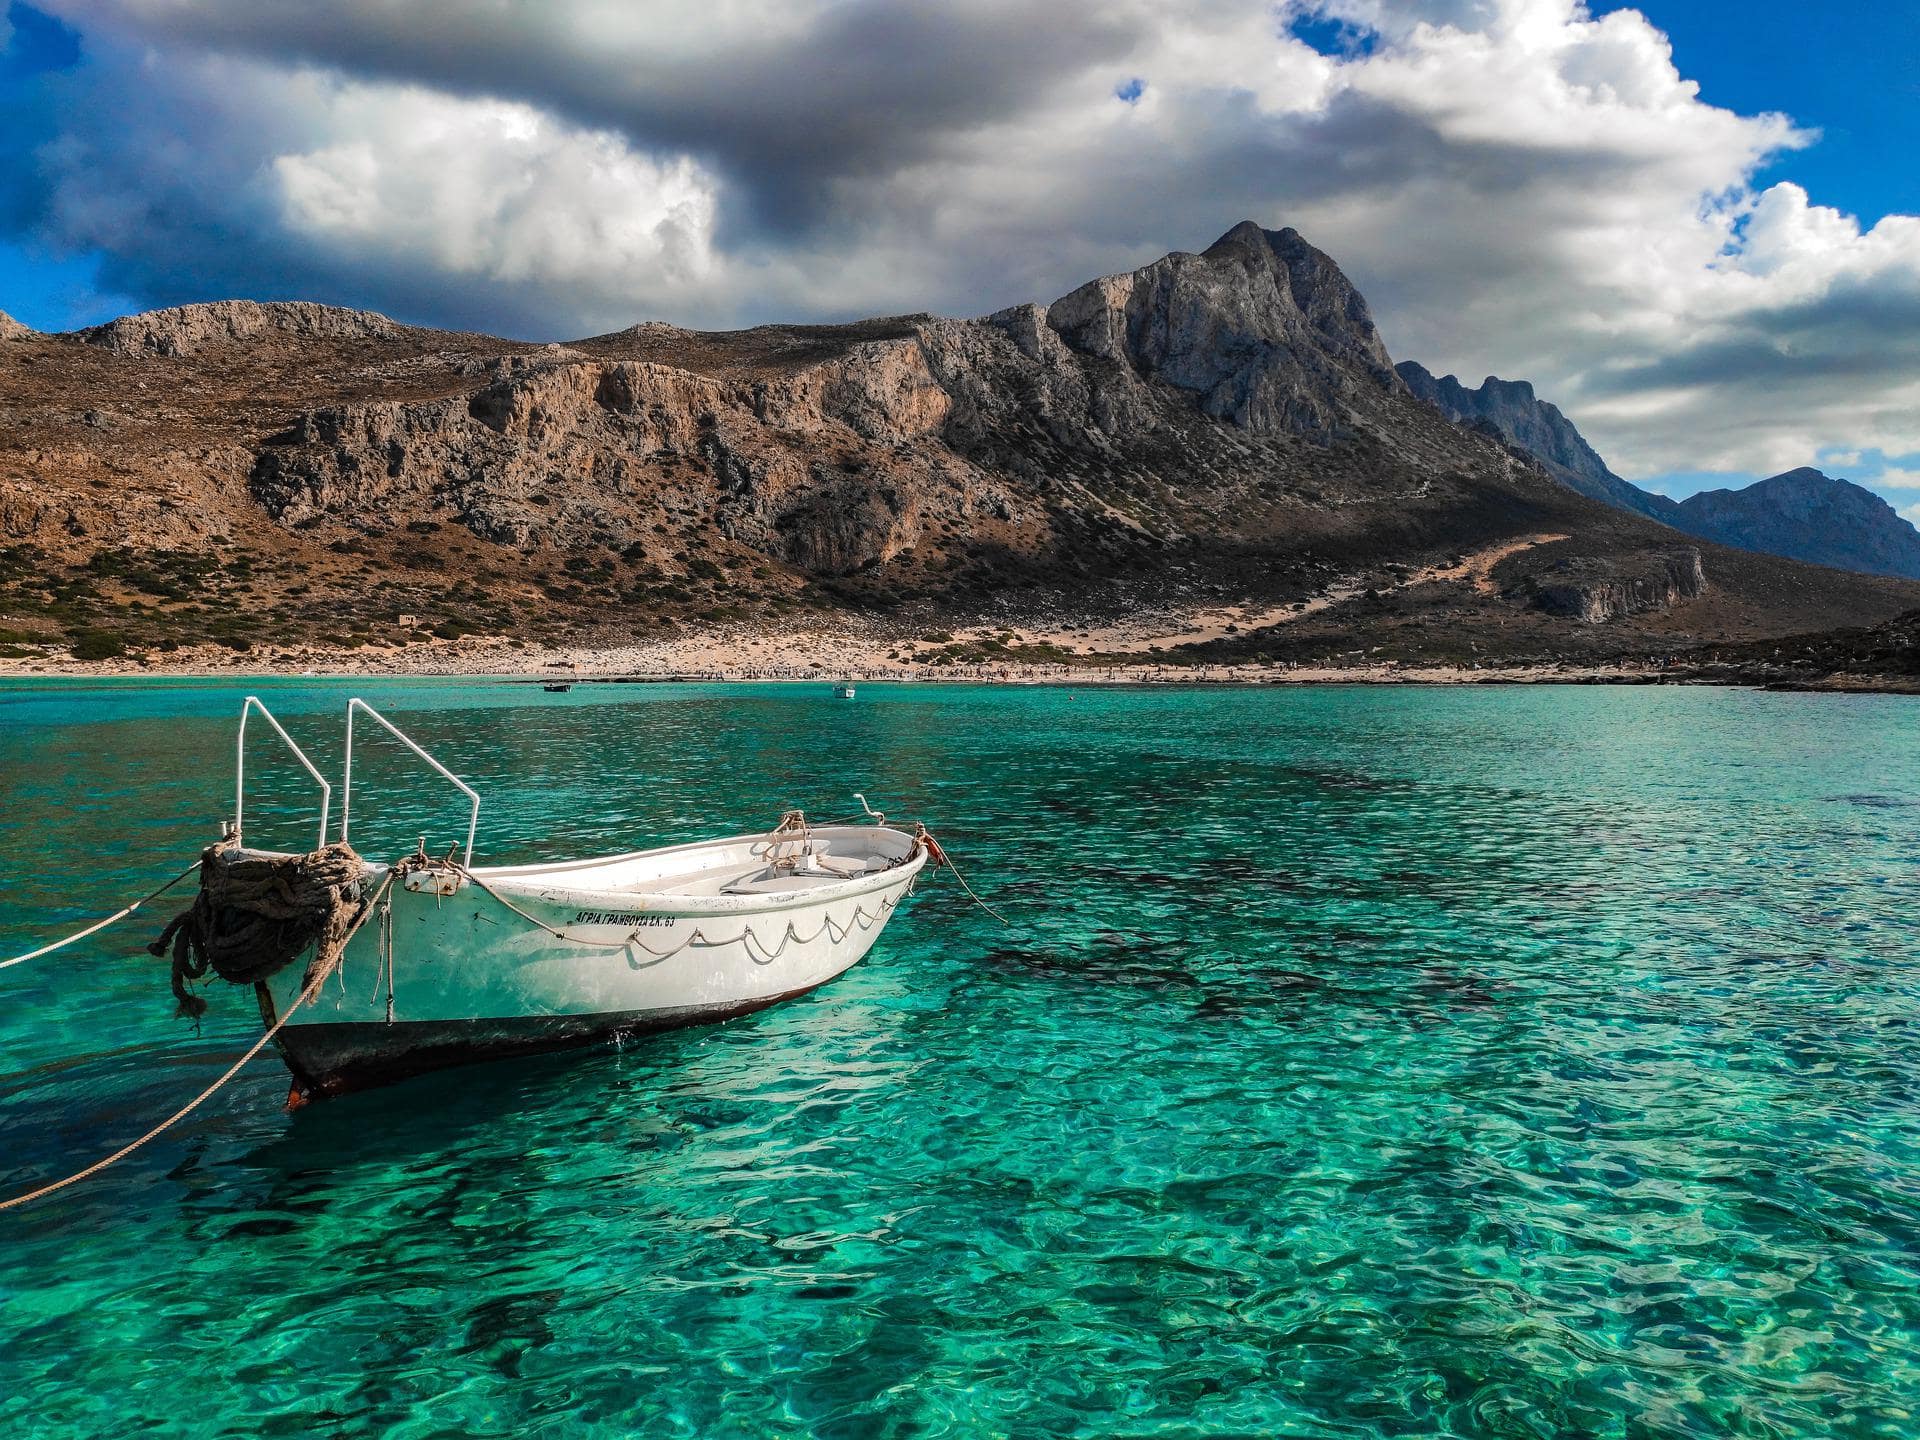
1810 516
1090 429
189 329
570 451
12 329
1597 592
1511 410
1212 428
1262 327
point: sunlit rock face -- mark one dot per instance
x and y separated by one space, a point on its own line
1263 327
187 329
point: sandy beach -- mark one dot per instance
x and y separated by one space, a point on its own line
811 654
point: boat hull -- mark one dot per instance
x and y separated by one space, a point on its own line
328 1060
551 958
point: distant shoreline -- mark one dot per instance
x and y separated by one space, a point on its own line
584 666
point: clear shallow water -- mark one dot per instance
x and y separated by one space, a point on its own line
1366 1062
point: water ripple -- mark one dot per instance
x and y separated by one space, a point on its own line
1362 1064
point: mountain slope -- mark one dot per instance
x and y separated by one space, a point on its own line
1811 516
1517 416
1802 514
1222 426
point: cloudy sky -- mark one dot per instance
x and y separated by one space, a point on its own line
1693 224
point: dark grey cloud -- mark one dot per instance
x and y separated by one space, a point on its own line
1784 349
784 111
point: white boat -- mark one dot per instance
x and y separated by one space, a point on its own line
843 691
472 963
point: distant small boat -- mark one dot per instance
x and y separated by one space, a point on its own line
843 691
557 687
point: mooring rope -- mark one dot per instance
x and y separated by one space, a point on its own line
938 854
100 925
311 989
254 913
949 863
747 937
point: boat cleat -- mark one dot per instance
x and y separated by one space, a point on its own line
434 881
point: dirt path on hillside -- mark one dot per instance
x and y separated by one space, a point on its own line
1477 568
1205 626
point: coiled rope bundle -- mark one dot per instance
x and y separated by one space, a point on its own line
256 913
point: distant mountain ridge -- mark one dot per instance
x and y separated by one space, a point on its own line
1809 516
186 329
1519 417
1803 514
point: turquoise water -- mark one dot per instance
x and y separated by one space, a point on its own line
1363 1063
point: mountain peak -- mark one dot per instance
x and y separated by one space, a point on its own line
1812 516
1250 235
1803 514
1519 392
1492 391
1521 418
1800 476
1265 327
12 329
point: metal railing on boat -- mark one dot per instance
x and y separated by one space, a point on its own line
346 789
252 703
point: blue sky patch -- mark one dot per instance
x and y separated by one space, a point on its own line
1333 38
39 43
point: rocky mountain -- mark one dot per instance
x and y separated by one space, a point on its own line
1510 410
12 329
1221 427
1262 327
1810 516
1802 514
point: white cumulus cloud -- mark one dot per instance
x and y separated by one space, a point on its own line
497 192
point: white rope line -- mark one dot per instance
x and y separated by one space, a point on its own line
747 937
750 940
948 860
307 993
100 925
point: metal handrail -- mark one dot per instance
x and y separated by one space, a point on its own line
253 702
346 790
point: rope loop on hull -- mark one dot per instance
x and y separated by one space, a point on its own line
256 913
792 825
